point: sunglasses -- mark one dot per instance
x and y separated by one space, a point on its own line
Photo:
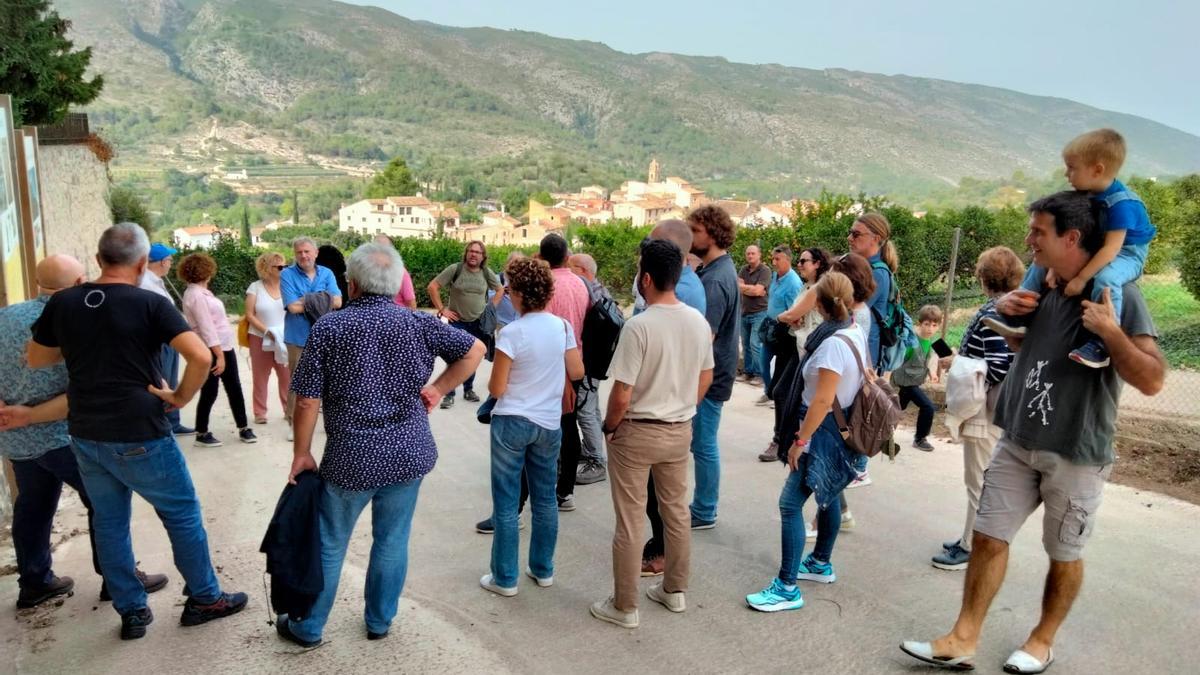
280 267
855 234
804 260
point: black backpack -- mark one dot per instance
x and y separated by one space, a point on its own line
601 329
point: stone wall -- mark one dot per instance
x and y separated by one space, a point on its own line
74 201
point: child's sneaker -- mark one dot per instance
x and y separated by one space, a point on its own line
1004 328
814 570
1093 355
776 598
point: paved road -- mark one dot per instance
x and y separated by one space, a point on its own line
1139 612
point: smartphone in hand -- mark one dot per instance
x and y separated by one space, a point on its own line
941 348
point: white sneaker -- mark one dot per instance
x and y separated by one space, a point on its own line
606 611
847 521
544 583
488 583
672 601
862 480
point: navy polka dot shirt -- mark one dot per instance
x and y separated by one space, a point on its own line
367 363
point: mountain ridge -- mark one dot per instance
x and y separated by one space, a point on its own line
307 71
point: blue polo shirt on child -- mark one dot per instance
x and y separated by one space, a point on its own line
1126 212
294 284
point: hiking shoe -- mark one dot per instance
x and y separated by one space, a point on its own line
447 402
776 598
771 454
764 400
653 567
489 583
376 636
183 431
1092 354
542 582
672 601
150 582
923 444
947 545
605 610
283 627
133 623
566 503
207 440
861 480
32 597
591 472
246 435
754 380
1002 328
470 396
814 570
952 559
228 604
699 524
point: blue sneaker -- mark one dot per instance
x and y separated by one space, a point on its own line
775 598
1093 355
814 570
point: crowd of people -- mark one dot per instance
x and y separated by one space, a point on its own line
813 330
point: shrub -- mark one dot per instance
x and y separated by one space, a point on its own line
614 245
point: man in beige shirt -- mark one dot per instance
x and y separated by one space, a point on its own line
660 371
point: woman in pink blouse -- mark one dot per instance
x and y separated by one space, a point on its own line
206 315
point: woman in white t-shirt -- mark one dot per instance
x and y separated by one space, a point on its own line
535 356
820 463
265 313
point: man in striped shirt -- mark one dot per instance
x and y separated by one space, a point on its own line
999 271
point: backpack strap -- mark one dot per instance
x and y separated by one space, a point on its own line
457 271
839 415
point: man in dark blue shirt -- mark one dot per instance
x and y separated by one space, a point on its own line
368 365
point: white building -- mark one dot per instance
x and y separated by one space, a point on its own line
396 217
200 236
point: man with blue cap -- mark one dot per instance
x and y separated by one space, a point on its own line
152 280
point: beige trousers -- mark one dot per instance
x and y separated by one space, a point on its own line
977 452
636 450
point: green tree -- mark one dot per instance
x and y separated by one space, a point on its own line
394 181
37 65
295 207
542 197
126 207
246 237
515 200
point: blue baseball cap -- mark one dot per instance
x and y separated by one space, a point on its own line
160 251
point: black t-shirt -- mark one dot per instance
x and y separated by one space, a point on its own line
111 337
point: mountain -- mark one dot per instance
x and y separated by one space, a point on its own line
303 81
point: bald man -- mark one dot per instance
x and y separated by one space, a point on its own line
33 435
593 466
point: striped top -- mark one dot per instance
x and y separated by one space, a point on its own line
981 342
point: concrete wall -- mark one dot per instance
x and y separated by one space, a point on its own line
74 202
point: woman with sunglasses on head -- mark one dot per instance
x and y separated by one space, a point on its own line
265 314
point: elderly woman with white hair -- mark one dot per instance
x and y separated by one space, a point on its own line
368 365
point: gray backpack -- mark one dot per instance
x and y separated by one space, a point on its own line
873 416
912 372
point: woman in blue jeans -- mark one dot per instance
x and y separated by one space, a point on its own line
820 463
535 357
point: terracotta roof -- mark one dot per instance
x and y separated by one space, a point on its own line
200 230
735 209
692 190
410 201
779 209
650 204
450 213
376 202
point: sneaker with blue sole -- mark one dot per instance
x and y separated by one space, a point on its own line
776 598
814 570
1092 354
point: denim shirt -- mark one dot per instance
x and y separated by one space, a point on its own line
828 463
22 385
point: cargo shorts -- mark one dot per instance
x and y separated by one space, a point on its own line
1018 480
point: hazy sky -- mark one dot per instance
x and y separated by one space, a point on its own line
1140 57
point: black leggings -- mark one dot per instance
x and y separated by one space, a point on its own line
233 391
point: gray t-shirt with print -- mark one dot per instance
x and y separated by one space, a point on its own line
1049 402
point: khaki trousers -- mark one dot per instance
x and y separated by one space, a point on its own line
294 353
977 452
635 451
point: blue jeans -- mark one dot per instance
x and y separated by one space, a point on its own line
392 509
1124 268
751 343
520 445
791 505
39 485
155 470
170 370
707 457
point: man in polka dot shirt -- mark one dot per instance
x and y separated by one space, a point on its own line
368 365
